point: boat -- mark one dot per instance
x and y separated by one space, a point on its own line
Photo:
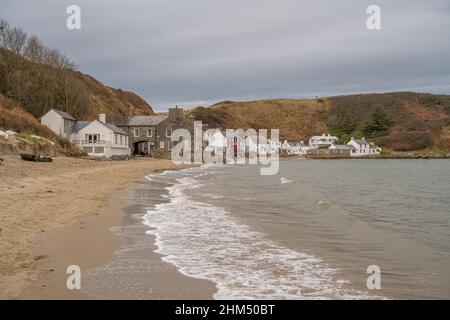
35 157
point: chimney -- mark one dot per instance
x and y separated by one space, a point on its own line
102 117
176 113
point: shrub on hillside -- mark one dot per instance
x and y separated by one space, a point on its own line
209 116
379 121
18 120
409 141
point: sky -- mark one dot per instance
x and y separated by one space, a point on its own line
198 52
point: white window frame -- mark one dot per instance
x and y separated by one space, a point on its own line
92 138
162 145
136 132
168 135
150 130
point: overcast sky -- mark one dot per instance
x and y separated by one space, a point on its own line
191 52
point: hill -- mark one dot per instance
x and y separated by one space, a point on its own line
400 121
37 88
35 79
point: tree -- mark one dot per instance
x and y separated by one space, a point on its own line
379 121
16 40
4 29
34 50
345 126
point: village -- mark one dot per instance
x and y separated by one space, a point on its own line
152 136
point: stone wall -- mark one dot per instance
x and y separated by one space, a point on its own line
161 136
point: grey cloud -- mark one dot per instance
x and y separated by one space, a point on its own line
200 51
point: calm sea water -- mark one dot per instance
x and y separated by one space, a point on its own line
311 231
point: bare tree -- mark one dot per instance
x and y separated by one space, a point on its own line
4 30
16 40
34 50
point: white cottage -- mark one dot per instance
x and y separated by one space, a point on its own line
294 147
97 138
322 141
361 147
215 140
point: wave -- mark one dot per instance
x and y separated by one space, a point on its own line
207 242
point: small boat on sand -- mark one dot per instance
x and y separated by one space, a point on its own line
35 157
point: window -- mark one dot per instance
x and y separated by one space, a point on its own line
99 150
136 132
115 138
121 139
168 133
161 144
149 132
92 138
126 140
170 145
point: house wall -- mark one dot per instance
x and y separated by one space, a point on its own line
54 121
107 145
362 149
163 142
323 140
68 127
142 136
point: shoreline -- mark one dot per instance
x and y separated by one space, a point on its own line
59 214
103 244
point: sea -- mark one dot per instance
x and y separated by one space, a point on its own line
319 229
312 231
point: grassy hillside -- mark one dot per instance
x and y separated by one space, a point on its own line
39 87
403 121
27 126
296 119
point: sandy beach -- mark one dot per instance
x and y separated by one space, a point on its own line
53 215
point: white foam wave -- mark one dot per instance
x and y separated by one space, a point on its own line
207 242
284 180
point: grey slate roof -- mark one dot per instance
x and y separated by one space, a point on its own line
80 125
361 141
113 128
294 144
343 147
65 115
142 121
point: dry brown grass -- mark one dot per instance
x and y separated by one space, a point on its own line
296 119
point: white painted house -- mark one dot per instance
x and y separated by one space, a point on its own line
294 147
361 147
322 141
97 138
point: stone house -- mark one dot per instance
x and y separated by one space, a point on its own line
151 135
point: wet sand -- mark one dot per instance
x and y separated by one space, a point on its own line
92 244
53 215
